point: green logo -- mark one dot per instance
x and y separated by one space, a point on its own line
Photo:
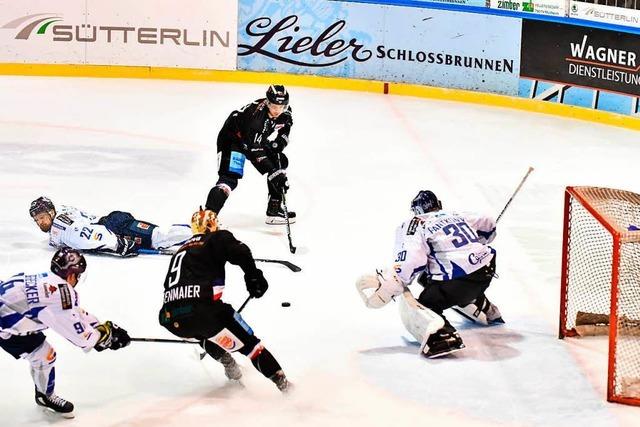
35 23
527 7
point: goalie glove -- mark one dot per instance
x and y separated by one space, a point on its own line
386 283
111 336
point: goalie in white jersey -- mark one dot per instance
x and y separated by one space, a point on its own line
118 233
449 252
31 303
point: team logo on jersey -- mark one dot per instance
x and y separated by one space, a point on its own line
143 226
65 297
477 258
51 356
227 340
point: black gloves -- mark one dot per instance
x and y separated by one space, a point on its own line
278 179
256 283
126 248
111 336
278 144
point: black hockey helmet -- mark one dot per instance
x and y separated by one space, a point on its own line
42 204
425 201
278 95
67 261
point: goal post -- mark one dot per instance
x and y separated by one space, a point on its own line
600 280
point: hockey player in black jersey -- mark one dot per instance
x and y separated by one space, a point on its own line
193 307
259 132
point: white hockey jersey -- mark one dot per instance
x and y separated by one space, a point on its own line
33 302
446 245
76 229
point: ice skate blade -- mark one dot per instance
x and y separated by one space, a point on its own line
276 220
444 353
49 411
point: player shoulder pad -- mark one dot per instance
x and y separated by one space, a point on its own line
54 288
66 296
413 225
63 218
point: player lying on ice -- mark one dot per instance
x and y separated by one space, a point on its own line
31 303
450 251
193 306
118 233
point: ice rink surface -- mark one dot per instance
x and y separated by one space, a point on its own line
357 160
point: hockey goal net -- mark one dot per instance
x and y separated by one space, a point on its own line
601 280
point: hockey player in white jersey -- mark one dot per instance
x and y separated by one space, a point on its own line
449 252
31 303
118 233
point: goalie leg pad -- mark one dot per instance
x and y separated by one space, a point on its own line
419 321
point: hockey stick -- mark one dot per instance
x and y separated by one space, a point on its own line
514 193
286 218
164 340
286 214
291 266
244 303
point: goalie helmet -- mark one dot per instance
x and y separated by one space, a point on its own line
425 201
204 221
278 95
42 204
68 261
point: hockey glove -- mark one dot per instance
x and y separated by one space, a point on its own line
278 144
278 179
111 336
256 283
126 248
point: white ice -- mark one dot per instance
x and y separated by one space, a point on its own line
357 159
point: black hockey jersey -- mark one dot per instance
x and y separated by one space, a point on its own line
251 131
196 271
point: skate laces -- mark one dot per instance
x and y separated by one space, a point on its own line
54 399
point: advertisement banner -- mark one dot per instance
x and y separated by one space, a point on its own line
476 3
602 13
542 7
120 32
581 56
387 43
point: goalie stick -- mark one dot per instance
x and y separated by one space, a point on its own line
514 193
291 266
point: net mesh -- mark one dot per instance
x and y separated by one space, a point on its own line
589 272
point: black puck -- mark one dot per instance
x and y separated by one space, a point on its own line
286 304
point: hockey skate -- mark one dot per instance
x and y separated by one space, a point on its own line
275 213
481 311
443 342
281 381
55 404
231 368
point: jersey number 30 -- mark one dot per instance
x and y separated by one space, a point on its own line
462 233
